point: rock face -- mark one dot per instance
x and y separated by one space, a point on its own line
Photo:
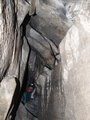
75 62
56 106
12 62
7 89
9 57
29 41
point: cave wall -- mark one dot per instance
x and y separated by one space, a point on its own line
76 68
63 84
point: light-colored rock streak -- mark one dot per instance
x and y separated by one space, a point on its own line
7 89
75 54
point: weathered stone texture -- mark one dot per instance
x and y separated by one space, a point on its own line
75 64
7 88
64 90
10 55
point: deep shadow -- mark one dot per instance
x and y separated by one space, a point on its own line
14 103
25 22
17 96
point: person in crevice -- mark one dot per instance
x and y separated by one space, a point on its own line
30 97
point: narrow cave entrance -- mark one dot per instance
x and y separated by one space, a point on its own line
30 94
41 53
36 86
36 89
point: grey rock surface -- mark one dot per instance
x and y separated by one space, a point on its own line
64 89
